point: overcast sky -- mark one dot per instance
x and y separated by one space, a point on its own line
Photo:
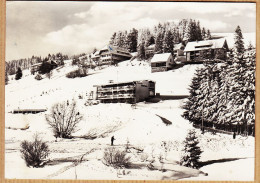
39 28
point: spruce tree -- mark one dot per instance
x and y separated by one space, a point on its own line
112 39
192 151
18 74
159 43
203 33
141 51
208 35
239 43
6 77
168 42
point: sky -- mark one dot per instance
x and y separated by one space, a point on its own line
42 27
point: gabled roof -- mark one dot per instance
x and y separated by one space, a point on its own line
163 57
151 46
178 46
203 45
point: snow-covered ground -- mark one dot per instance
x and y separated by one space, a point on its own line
140 126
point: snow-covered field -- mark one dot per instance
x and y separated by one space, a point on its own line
226 158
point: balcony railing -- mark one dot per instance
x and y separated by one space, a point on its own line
116 96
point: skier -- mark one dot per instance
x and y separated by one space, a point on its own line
112 140
234 135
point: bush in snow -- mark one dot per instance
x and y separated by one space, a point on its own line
38 77
18 74
116 158
80 72
192 151
34 153
64 118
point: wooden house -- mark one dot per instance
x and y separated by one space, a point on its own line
208 49
162 62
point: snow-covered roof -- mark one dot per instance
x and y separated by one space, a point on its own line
123 82
207 44
133 54
163 57
178 46
36 64
151 46
96 54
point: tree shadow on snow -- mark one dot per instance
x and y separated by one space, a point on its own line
209 162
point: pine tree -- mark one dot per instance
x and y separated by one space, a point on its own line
203 33
192 107
198 32
191 150
208 35
141 51
168 42
6 77
250 46
112 39
159 40
131 40
18 74
239 43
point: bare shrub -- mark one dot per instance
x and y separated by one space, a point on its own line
116 158
34 153
64 118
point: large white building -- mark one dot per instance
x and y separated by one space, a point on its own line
109 55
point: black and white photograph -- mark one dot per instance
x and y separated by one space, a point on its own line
98 90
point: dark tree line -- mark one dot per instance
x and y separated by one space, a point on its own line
164 36
12 66
223 95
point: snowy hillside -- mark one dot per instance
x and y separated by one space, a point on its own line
140 125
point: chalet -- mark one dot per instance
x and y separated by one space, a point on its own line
35 67
125 92
95 56
110 55
149 51
208 49
178 50
162 62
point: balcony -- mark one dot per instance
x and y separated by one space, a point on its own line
116 96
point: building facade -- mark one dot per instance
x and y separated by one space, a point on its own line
209 49
111 55
126 92
162 62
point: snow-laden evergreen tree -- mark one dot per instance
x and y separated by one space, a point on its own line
223 95
131 40
6 78
250 46
18 74
192 30
242 91
141 51
203 33
239 43
208 35
112 39
168 42
159 39
191 151
192 107
198 31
